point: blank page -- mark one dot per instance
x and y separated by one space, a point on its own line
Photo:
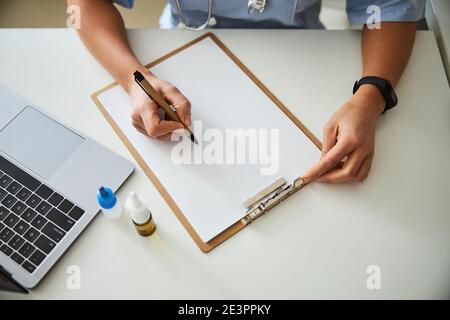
223 97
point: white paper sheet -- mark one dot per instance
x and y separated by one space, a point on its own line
222 97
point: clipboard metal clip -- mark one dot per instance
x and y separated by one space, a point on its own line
269 197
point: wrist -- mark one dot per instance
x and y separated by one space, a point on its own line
370 97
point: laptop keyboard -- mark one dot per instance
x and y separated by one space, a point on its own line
33 217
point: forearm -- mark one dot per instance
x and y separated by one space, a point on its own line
385 54
103 33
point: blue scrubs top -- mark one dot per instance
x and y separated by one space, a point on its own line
283 13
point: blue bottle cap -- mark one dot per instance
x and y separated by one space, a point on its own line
106 198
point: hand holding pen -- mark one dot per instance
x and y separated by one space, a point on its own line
145 116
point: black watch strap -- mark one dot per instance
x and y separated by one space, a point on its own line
383 85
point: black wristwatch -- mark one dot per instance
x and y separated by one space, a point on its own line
385 88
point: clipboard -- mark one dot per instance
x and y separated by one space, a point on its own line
256 205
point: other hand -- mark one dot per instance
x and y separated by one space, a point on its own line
349 139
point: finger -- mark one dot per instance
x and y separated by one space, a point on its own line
165 127
141 129
182 106
168 127
364 170
137 123
184 112
150 120
138 126
348 171
165 137
154 126
330 160
329 138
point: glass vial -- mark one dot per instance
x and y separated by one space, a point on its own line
140 215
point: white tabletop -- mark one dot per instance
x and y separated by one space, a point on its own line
319 243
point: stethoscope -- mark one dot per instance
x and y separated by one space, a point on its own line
259 5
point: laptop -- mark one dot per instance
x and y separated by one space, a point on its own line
49 177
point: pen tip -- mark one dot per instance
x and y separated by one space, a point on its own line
193 139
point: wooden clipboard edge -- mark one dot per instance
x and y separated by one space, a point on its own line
236 227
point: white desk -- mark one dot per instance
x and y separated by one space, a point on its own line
316 245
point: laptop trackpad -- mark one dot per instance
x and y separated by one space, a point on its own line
38 142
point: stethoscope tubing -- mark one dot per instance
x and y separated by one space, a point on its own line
195 28
210 21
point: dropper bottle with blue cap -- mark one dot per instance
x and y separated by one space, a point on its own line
109 203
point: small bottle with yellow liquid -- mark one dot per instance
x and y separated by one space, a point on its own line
140 215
